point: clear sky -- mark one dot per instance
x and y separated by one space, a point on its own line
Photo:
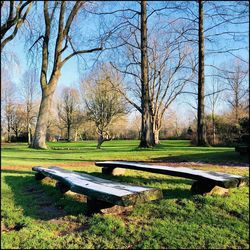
70 73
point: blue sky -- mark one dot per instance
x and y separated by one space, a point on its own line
70 74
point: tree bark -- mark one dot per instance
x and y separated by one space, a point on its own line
99 141
76 135
39 140
147 136
68 132
201 134
8 132
102 139
156 136
29 133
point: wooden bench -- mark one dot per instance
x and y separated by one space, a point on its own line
102 195
206 181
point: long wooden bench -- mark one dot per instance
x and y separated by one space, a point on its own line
102 195
206 181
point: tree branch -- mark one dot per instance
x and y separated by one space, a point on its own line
79 52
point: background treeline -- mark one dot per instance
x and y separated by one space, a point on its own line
71 118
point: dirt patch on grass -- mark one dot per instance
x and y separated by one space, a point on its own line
69 226
73 228
46 210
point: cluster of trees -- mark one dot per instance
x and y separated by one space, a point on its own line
149 56
19 104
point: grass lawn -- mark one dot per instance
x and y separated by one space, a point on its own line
64 152
36 215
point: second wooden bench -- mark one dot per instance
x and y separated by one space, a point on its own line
205 182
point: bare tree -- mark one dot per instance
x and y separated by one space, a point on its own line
58 43
214 99
29 92
170 72
69 109
201 133
147 136
237 82
170 69
8 91
103 105
80 117
122 35
13 15
155 67
226 21
18 119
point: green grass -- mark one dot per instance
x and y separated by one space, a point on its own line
180 220
64 152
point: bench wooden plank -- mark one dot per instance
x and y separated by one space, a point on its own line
101 189
216 178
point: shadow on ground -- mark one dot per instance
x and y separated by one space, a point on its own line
41 200
10 171
218 158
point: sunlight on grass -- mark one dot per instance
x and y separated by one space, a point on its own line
35 215
179 220
64 152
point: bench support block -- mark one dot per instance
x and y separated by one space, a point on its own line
113 171
39 176
62 187
207 188
97 206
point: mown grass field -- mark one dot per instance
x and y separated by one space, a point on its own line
36 215
64 152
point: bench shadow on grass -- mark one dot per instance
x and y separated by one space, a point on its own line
10 171
41 200
219 158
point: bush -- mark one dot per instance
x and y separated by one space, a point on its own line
23 137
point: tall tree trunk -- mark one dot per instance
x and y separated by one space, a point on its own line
201 134
102 138
29 133
8 132
99 141
147 136
76 135
213 121
156 136
156 129
237 110
39 140
68 132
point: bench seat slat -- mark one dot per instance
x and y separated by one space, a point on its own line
101 189
220 179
